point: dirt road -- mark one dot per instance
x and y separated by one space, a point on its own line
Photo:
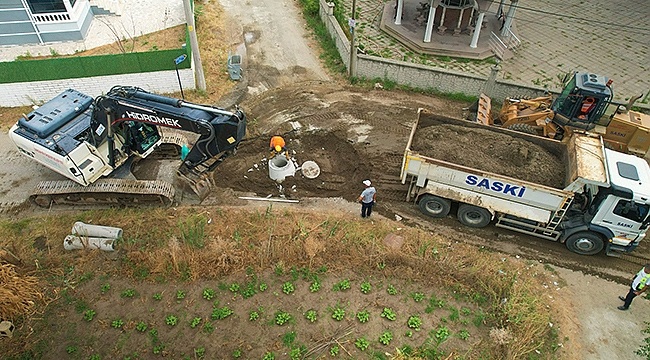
354 134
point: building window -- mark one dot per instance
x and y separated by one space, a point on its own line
46 6
457 3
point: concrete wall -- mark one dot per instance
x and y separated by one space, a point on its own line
37 92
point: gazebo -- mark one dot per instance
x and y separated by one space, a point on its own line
461 28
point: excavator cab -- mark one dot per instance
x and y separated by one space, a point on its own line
583 101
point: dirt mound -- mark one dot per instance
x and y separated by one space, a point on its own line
490 151
341 172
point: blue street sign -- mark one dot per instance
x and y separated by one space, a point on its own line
180 59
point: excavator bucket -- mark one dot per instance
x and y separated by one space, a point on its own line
200 184
483 110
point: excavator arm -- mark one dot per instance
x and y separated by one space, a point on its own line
135 114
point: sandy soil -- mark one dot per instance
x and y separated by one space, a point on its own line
361 133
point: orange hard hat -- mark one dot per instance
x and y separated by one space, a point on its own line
278 148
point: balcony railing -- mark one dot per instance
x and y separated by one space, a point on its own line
51 17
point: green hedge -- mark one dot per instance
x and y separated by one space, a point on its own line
86 66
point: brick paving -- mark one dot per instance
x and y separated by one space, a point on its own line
611 38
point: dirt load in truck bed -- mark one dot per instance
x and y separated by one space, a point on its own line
490 151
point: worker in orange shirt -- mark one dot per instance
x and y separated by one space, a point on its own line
277 146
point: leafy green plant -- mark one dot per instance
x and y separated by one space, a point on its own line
249 290
478 319
234 288
366 287
385 337
171 320
334 350
442 334
208 294
311 315
269 356
236 353
180 294
644 349
288 288
463 334
105 288
117 323
390 289
314 286
195 322
157 296
128 293
221 313
253 316
454 314
362 344
157 349
141 326
409 334
71 349
263 287
342 285
389 314
414 322
363 316
282 317
208 328
465 311
295 353
89 314
199 352
417 296
338 313
94 357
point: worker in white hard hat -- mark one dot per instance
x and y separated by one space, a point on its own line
277 146
367 198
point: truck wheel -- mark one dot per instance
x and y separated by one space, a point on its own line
473 216
434 206
585 243
524 128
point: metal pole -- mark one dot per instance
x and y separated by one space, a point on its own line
352 47
179 80
194 44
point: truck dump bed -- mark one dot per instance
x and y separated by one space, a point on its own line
499 169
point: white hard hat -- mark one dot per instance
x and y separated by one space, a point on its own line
366 182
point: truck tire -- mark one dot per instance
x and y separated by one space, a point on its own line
434 206
473 216
524 128
585 243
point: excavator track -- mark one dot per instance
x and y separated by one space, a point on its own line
112 192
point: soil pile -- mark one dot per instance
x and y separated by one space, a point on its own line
490 151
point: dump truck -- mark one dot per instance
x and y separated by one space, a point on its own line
602 203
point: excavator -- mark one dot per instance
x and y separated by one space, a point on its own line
581 106
95 142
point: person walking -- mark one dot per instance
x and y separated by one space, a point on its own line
367 198
639 285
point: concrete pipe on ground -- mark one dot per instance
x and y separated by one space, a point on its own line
97 231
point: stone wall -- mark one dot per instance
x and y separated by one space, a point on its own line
37 92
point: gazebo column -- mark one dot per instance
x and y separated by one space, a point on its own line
441 28
460 19
477 30
500 10
398 14
511 14
430 20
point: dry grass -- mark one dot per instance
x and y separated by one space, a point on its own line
18 293
234 240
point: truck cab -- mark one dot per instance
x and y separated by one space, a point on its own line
620 211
